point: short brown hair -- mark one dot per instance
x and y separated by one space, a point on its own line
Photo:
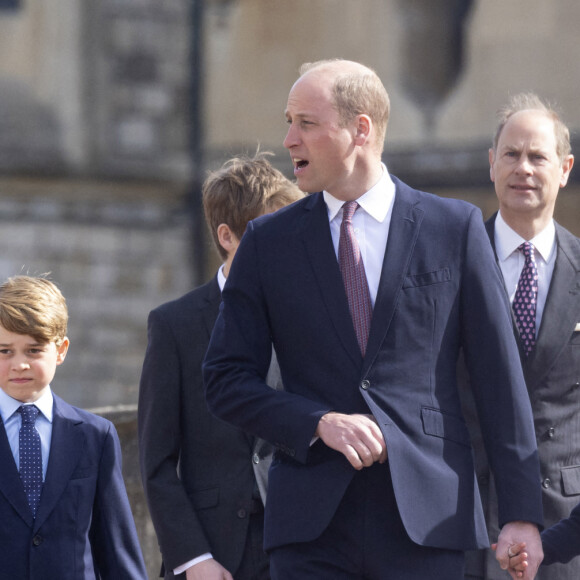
357 91
243 189
531 102
33 306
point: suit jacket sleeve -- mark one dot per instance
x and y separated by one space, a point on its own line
238 393
114 540
179 531
497 383
561 542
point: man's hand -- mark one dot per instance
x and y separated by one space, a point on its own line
508 544
518 558
357 437
208 570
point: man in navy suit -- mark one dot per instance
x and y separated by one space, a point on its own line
205 481
530 162
373 475
64 511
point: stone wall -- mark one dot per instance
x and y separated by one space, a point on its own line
116 251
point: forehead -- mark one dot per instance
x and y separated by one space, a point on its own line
7 337
529 128
311 94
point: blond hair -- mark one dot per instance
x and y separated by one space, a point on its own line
531 102
357 90
33 306
243 189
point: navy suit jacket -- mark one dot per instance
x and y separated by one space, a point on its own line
440 289
561 542
83 528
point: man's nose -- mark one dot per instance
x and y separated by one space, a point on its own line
291 137
524 165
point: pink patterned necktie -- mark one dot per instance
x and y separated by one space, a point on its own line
354 276
525 299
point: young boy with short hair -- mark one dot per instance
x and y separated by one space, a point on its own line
64 511
206 481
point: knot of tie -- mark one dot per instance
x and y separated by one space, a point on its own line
348 210
29 413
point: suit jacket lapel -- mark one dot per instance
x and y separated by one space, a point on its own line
403 232
10 483
315 232
65 452
490 228
561 313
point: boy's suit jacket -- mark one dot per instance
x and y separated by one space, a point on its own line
552 373
561 542
84 528
206 506
440 289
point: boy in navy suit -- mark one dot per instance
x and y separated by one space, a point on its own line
64 511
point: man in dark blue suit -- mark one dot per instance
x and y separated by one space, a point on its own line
373 476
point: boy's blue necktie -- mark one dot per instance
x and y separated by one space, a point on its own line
30 456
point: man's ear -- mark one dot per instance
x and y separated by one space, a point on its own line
364 127
566 168
227 239
491 160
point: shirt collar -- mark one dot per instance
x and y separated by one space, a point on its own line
508 241
376 201
9 406
221 278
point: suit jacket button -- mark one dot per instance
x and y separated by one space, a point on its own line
37 540
242 513
365 385
551 432
546 483
256 458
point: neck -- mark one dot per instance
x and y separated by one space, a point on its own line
363 178
526 226
227 266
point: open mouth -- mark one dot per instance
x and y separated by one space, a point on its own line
300 164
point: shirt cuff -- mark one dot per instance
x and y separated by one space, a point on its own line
199 559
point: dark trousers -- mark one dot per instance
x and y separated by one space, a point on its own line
366 540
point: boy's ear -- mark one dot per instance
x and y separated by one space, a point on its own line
227 239
62 350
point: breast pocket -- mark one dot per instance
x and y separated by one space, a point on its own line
427 278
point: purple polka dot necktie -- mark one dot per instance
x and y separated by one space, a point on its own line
354 276
30 456
525 299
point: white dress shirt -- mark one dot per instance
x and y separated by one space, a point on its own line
511 261
371 223
13 420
